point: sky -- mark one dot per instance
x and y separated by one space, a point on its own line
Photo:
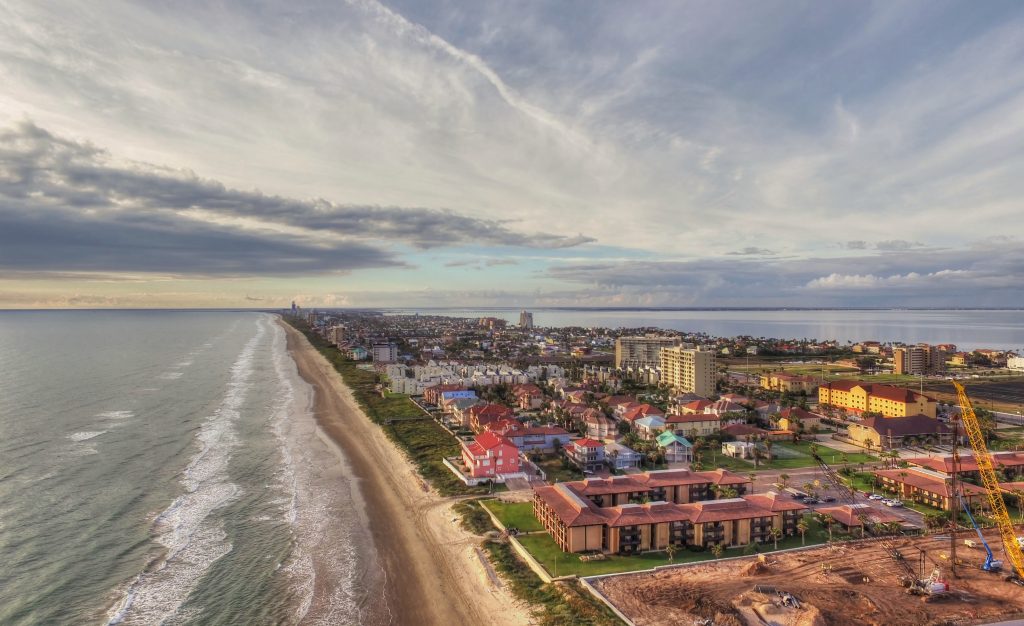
568 153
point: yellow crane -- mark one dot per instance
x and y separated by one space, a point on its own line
990 482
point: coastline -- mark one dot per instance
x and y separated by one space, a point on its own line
432 574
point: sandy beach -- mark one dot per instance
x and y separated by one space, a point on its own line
433 573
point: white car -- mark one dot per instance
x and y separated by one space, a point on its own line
875 496
896 503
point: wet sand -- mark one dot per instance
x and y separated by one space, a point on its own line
432 574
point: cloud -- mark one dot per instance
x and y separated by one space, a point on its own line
856 245
897 244
941 278
45 168
751 251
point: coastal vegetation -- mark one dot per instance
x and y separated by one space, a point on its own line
514 515
425 441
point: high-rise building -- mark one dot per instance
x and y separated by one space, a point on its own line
688 370
385 352
525 319
918 359
643 351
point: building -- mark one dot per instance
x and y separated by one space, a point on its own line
384 352
598 425
490 455
528 396
919 359
643 512
621 457
586 454
647 428
788 383
525 319
693 426
923 486
688 370
676 449
1010 464
1015 362
897 432
641 352
481 415
852 516
795 419
540 438
858 397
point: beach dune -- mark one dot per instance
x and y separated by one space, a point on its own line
432 574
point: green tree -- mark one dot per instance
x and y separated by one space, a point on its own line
828 520
671 550
717 549
776 534
802 527
783 480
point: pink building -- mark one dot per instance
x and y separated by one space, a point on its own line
490 455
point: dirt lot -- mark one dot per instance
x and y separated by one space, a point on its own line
1003 395
861 588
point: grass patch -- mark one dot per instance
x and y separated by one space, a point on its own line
555 471
473 517
801 452
514 514
555 603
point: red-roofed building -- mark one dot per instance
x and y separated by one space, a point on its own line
641 410
490 455
695 407
586 454
693 425
544 438
858 397
528 396
432 395
483 414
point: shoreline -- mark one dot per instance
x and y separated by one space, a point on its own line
432 574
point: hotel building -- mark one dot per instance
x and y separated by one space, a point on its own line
641 352
859 397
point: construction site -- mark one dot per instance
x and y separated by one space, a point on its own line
847 584
938 579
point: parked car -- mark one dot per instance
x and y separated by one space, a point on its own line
876 496
828 499
896 503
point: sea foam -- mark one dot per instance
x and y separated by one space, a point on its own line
192 541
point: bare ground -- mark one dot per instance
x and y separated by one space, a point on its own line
862 588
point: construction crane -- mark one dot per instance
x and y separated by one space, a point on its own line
991 564
990 482
930 587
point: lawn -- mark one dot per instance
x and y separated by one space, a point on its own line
801 457
558 563
555 471
514 514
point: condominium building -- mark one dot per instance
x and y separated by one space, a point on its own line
688 369
918 359
641 512
641 352
385 352
525 319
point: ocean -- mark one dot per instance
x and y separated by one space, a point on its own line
164 468
969 329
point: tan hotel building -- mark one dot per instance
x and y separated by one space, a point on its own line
689 370
860 397
607 515
639 352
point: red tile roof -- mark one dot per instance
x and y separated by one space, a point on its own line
688 419
587 443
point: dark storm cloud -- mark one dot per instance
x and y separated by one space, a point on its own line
40 168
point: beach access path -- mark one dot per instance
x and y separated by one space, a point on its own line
433 574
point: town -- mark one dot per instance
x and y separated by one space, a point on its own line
606 451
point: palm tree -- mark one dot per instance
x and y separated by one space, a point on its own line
802 526
671 550
768 446
752 476
784 480
828 520
776 534
809 488
717 550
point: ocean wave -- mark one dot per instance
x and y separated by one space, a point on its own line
116 415
86 435
170 375
192 541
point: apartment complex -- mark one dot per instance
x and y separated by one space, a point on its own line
791 383
385 352
859 397
640 352
631 514
688 370
525 319
919 359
